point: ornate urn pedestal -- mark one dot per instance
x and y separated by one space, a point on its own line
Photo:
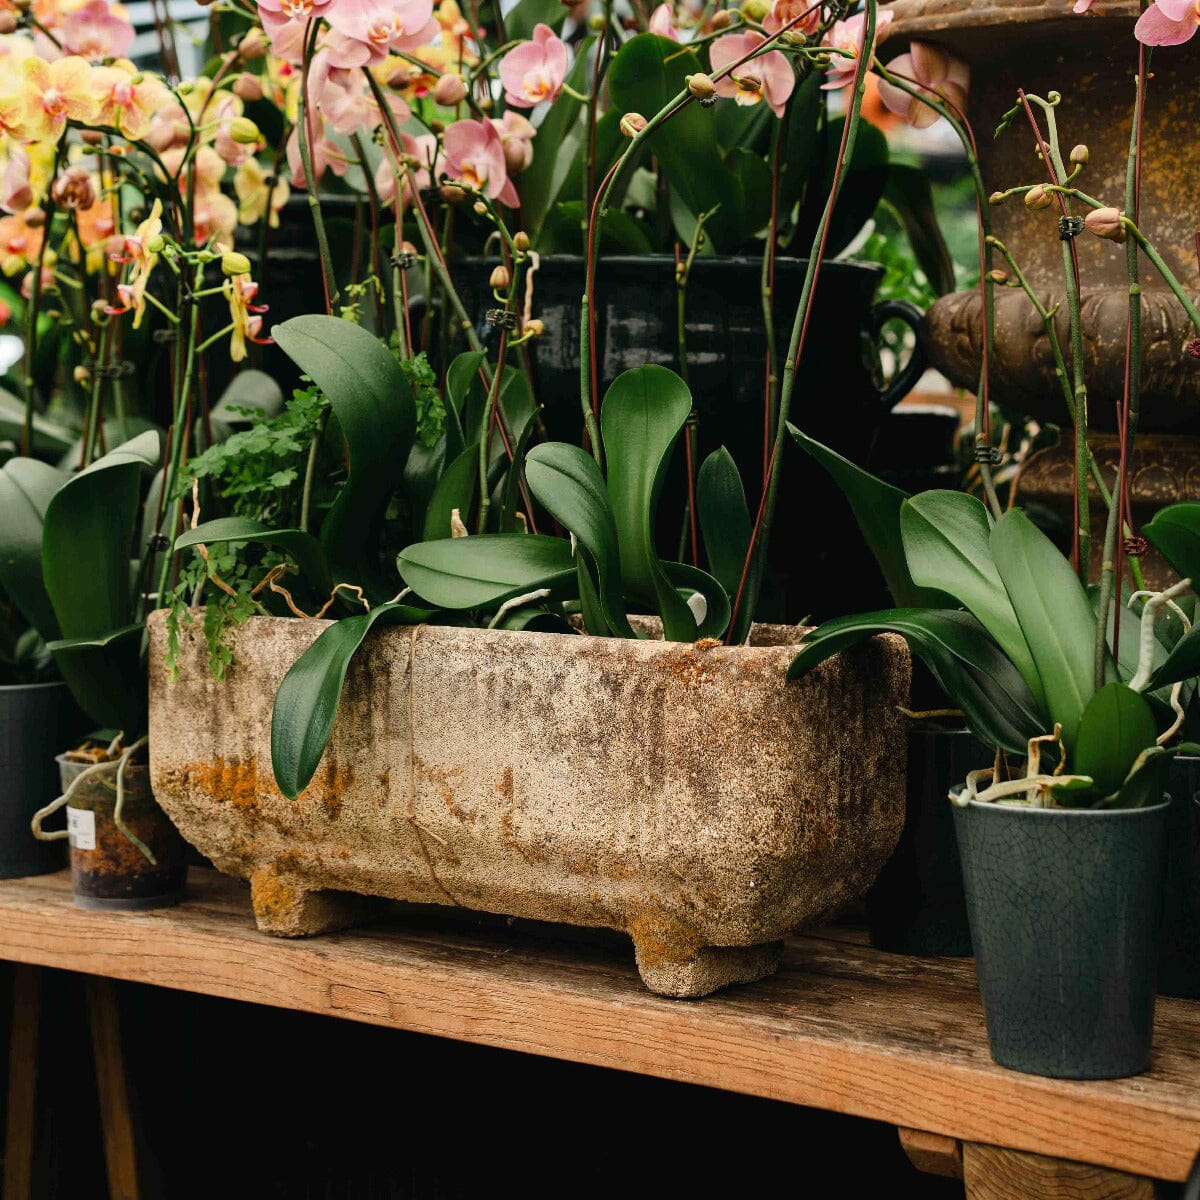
1042 46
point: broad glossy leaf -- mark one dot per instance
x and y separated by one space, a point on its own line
876 508
1055 616
117 431
457 488
372 401
50 439
687 579
566 481
564 229
307 701
530 618
107 677
303 549
724 519
485 570
862 186
26 489
248 390
525 15
1116 726
461 376
803 140
640 420
947 545
970 668
908 193
1175 533
87 540
1183 662
1146 783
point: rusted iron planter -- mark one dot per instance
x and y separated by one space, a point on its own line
687 795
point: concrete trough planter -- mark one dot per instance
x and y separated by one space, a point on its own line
687 795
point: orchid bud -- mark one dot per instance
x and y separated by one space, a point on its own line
248 87
1037 197
755 10
596 22
91 137
401 76
1193 348
479 208
451 193
81 374
1105 223
535 328
450 90
722 19
254 45
998 276
233 263
35 218
632 124
436 127
996 199
1079 155
8 23
701 86
244 131
73 188
521 242
500 278
156 245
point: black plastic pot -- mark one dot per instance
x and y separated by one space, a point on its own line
1065 906
917 906
108 869
1179 950
840 397
36 721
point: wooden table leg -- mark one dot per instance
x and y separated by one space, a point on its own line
116 1118
22 1084
992 1173
932 1153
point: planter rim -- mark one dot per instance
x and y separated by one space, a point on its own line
32 687
1094 814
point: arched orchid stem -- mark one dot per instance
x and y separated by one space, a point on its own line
304 134
1147 641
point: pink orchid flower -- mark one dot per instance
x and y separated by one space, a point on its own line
941 77
534 71
341 96
96 31
848 36
768 77
662 22
784 12
16 192
326 156
1168 23
475 158
516 136
285 23
382 26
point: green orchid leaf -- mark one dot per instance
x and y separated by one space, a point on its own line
568 484
1183 662
303 549
50 438
724 520
640 420
863 183
803 141
1146 783
511 500
485 570
26 489
910 198
248 390
1175 534
876 507
1055 616
688 581
526 15
457 489
462 375
970 668
88 540
947 545
307 701
107 677
530 618
372 400
1116 727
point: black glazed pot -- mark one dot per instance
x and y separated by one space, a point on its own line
840 397
37 721
1179 950
1065 906
917 906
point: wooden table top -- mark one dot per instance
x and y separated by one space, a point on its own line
841 1027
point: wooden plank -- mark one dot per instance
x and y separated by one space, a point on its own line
841 1027
116 1119
992 1173
21 1131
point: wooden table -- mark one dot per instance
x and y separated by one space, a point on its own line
841 1027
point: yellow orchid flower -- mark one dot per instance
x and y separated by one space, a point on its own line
246 317
19 243
256 195
123 104
54 93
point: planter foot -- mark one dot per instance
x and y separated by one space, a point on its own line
709 969
285 906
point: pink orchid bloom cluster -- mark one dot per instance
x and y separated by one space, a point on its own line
1163 23
847 38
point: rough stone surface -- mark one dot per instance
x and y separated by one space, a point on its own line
687 795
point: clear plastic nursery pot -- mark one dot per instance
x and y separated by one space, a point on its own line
1065 906
109 868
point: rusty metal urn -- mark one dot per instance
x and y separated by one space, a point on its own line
1042 46
685 794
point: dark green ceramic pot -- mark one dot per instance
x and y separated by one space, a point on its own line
916 906
1065 908
1179 951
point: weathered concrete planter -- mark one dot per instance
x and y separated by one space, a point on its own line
687 795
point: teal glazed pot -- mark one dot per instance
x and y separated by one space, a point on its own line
917 906
1179 950
1065 906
